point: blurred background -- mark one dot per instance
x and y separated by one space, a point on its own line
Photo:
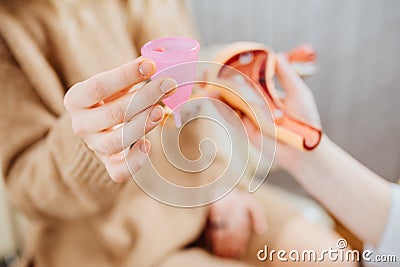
357 87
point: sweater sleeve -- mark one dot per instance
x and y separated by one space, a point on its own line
48 171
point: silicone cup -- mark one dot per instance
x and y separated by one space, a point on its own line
171 51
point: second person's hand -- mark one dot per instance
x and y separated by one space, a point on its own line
300 101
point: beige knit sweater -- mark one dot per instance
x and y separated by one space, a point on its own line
77 215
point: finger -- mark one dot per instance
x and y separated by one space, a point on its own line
101 86
235 244
114 141
126 107
240 231
288 78
239 247
215 94
121 168
116 95
257 216
218 241
253 132
232 244
229 238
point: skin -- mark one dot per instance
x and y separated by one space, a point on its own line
231 222
356 196
300 100
99 104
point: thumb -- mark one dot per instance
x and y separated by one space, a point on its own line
290 81
258 218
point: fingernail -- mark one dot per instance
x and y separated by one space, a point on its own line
156 114
145 147
167 85
146 67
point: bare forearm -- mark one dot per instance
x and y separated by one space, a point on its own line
357 197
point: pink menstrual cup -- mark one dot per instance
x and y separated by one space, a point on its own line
167 53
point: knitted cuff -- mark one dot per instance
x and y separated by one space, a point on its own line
80 168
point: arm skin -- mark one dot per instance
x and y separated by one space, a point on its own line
359 198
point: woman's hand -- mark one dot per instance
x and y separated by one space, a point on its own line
231 222
99 104
300 100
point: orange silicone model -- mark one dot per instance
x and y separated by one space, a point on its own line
257 62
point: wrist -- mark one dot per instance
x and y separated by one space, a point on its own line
310 161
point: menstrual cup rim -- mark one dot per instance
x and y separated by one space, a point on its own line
157 55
